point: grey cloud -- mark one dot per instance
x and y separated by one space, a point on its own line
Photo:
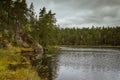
82 12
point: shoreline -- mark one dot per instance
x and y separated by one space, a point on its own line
91 46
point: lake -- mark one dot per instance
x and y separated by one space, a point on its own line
86 64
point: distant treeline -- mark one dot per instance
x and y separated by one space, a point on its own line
90 36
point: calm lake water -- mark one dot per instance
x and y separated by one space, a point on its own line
86 64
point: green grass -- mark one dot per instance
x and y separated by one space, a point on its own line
7 58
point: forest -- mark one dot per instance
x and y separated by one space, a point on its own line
20 27
90 36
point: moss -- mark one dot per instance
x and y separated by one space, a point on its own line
22 70
52 49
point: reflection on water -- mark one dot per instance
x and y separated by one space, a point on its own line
87 64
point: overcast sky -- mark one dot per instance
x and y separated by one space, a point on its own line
82 13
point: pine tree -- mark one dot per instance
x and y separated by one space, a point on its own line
32 15
5 14
20 13
46 27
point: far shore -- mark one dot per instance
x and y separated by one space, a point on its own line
91 46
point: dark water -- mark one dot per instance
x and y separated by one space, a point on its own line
86 64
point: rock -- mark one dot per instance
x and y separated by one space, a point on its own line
25 45
38 48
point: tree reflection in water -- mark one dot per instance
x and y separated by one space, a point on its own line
48 67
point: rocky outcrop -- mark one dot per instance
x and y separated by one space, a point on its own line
38 48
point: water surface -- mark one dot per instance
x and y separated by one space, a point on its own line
87 64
